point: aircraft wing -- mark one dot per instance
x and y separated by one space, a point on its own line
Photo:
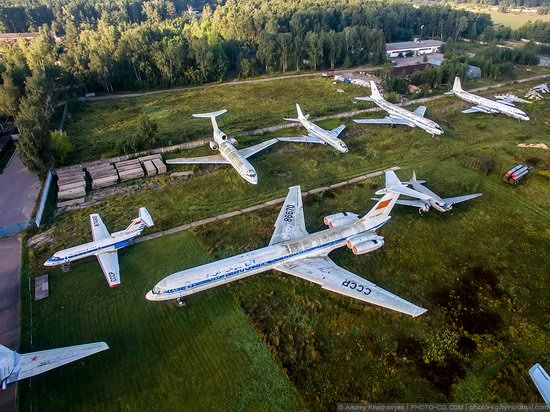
420 111
324 272
214 159
507 101
99 230
386 120
290 223
414 203
34 363
542 381
336 132
252 150
460 199
478 109
303 139
109 265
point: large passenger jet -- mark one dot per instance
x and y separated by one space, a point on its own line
294 251
228 153
104 245
398 115
316 134
484 105
15 366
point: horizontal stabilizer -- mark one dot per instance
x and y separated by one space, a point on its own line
211 114
289 119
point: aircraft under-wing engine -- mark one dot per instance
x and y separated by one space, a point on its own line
228 153
104 245
294 251
399 115
484 105
316 134
15 366
430 199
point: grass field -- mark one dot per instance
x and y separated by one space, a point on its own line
287 345
95 127
516 20
206 357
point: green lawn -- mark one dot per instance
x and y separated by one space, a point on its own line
96 126
516 20
481 271
204 357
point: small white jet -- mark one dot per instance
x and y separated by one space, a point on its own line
430 199
316 134
484 105
104 245
15 366
542 88
542 381
294 251
228 153
399 115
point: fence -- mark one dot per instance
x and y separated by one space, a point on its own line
43 199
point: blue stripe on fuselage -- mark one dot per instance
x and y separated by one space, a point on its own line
117 245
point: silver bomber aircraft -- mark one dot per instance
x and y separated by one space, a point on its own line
316 134
430 199
294 251
15 366
228 153
399 115
484 105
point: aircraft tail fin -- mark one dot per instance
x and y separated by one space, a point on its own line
375 94
301 115
212 116
457 85
413 180
143 220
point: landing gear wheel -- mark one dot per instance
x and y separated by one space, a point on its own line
65 267
180 302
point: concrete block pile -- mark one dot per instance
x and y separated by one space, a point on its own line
153 164
71 185
103 174
129 169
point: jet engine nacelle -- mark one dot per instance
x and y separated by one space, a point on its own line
365 243
233 141
214 145
340 219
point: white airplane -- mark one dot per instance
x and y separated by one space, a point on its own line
316 134
104 245
484 105
430 199
15 366
399 115
228 153
542 381
294 251
542 88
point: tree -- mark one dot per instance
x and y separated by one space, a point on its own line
147 131
61 146
267 50
9 98
285 46
314 49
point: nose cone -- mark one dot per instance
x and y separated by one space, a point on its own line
50 262
250 176
150 295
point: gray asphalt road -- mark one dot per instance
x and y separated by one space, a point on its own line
10 250
19 189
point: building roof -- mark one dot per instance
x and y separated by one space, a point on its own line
408 45
17 36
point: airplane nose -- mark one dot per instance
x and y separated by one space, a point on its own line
150 295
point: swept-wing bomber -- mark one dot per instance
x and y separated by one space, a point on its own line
228 153
430 199
104 245
294 251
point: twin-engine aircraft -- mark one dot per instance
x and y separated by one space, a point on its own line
294 251
228 153
484 105
14 367
429 198
398 115
316 134
104 245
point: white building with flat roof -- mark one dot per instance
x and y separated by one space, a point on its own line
416 47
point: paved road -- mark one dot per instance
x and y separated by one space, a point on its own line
19 189
10 250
